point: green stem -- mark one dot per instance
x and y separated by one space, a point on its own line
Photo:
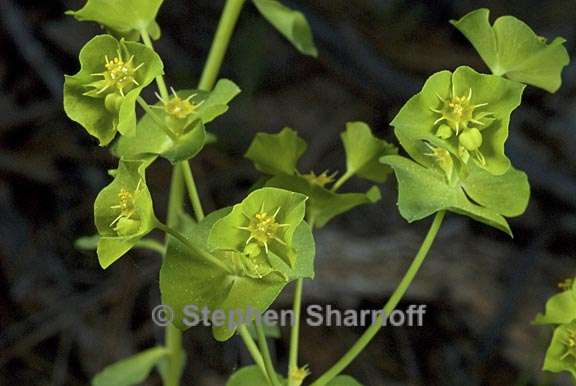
295 331
160 78
392 303
341 181
266 354
146 107
195 250
172 335
151 245
192 191
252 348
220 44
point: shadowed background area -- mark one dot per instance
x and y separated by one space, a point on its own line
62 318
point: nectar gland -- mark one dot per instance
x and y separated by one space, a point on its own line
119 75
177 107
263 228
321 179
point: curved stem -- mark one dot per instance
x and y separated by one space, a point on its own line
252 348
220 44
192 191
392 303
295 331
341 181
162 89
266 354
195 250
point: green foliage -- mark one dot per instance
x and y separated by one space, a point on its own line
561 355
464 112
560 309
102 95
123 17
258 269
250 376
290 23
130 371
363 151
425 190
510 48
182 116
123 212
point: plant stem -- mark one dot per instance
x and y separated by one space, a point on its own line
159 79
341 181
156 119
252 348
220 44
192 191
266 354
295 331
195 250
392 303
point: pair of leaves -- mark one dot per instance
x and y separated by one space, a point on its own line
362 153
187 279
91 111
510 48
150 140
423 191
253 376
290 23
123 212
419 119
126 18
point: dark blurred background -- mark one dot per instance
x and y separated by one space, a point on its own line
62 318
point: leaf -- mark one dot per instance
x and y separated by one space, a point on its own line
344 380
152 140
422 192
323 204
363 151
122 16
559 356
510 48
123 212
290 23
87 106
276 153
492 100
132 370
560 309
250 376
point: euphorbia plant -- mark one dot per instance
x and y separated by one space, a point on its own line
452 134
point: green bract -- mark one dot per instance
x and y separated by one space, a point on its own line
510 48
102 95
561 355
250 376
423 191
124 17
123 212
466 113
561 308
362 151
292 24
131 371
184 114
253 279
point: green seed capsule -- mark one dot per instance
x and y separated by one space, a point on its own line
471 139
444 132
113 101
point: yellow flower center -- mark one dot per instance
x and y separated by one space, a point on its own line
298 374
119 75
125 221
442 158
570 345
177 107
321 180
264 228
459 113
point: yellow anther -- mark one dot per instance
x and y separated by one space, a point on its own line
264 228
119 75
458 112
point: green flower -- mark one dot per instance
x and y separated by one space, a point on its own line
511 49
183 115
561 355
436 185
102 95
123 212
464 112
362 153
262 225
560 308
125 18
